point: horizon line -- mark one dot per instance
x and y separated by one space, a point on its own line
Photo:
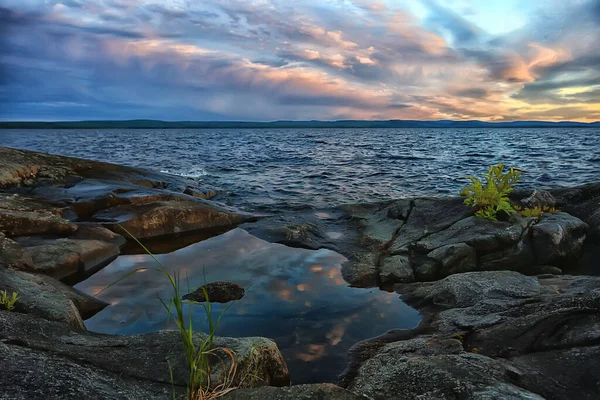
69 121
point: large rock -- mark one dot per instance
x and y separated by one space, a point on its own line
47 298
60 189
427 216
20 215
558 239
467 289
428 368
488 335
13 256
319 391
427 239
36 374
63 258
143 358
29 168
161 218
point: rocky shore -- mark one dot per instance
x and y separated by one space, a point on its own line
511 308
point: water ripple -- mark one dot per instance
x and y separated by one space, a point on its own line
291 168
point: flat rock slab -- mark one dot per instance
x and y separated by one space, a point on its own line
142 358
37 374
64 258
218 292
30 168
166 217
22 215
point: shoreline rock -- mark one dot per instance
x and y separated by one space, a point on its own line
135 364
488 335
426 239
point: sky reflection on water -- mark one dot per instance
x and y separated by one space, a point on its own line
296 297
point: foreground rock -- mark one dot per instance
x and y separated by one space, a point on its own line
584 203
43 359
489 335
47 298
218 292
321 391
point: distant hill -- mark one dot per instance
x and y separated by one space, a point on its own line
157 124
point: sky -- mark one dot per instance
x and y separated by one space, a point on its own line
261 60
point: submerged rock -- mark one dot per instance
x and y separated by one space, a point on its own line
218 292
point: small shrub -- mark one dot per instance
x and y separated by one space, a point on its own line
8 302
490 195
536 211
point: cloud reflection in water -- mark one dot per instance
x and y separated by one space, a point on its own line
296 297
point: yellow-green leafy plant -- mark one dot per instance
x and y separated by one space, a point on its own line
536 211
198 352
490 194
7 301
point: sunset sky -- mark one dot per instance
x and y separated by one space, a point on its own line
300 59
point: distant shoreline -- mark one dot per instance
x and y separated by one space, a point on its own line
348 124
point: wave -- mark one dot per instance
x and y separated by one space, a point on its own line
194 173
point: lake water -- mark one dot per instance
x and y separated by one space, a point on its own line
282 169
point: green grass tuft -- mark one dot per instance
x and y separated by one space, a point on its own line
198 353
8 302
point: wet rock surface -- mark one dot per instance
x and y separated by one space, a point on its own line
488 335
218 292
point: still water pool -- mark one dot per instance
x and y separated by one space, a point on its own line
296 297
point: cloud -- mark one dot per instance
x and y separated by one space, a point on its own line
444 18
276 59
